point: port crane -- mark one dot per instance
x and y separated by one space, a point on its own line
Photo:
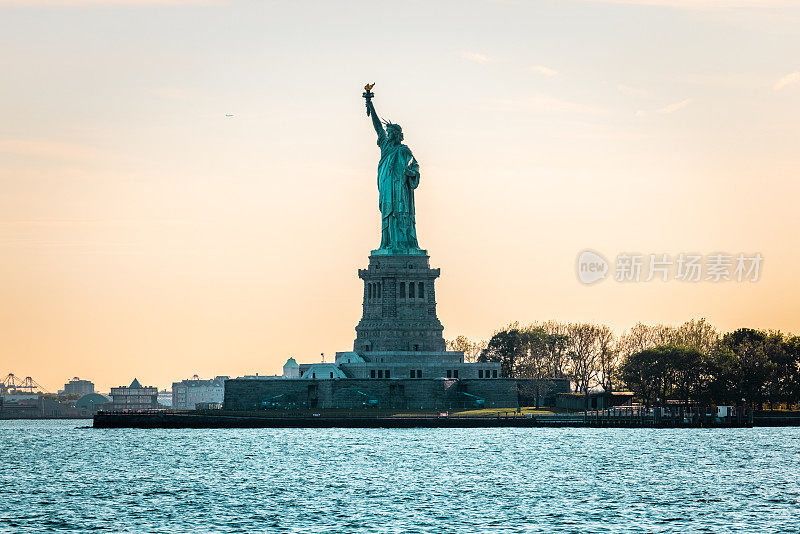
12 382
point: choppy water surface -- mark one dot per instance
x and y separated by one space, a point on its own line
56 477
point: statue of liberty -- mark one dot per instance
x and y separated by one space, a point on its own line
398 176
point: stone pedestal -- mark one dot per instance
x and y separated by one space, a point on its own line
399 306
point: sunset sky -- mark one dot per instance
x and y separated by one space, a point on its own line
145 234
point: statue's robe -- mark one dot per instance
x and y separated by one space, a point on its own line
396 196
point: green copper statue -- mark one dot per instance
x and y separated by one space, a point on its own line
398 176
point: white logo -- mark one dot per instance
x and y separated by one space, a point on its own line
591 267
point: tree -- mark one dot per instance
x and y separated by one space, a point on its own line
508 348
538 363
664 372
697 334
527 352
556 348
641 373
690 362
533 358
752 365
608 358
472 350
642 337
688 376
789 371
583 355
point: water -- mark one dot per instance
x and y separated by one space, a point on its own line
55 477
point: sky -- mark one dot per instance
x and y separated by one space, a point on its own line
145 233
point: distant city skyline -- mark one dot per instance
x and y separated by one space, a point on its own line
188 187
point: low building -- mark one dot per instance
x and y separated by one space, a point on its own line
22 406
133 398
413 364
188 394
35 406
594 400
387 393
76 386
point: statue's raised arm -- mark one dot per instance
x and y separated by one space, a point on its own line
376 121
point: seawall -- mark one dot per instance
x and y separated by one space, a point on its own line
502 420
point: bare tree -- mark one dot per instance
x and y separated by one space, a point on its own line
698 334
642 337
471 349
557 348
583 355
608 358
665 335
695 334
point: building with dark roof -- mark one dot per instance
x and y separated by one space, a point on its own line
91 403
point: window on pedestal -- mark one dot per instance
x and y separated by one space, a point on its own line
455 373
480 373
372 373
413 373
402 290
421 290
419 373
369 291
411 290
380 373
379 289
449 373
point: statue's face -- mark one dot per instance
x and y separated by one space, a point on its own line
396 134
